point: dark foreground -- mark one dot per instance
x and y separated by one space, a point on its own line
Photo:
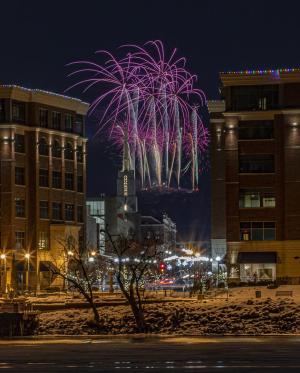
180 354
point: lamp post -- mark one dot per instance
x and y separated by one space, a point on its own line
4 285
27 257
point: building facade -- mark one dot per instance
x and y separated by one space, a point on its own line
95 223
260 142
164 232
43 178
218 189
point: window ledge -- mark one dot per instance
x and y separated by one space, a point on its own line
257 208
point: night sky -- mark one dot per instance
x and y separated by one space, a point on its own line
38 38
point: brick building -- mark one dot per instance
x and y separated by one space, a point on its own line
43 178
255 166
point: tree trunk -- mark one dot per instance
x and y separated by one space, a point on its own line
138 316
94 309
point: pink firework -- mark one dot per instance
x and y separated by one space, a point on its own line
148 96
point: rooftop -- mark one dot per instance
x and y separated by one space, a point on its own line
260 77
44 97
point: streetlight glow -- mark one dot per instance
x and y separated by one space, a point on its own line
27 255
3 256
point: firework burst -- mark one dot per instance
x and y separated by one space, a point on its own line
152 98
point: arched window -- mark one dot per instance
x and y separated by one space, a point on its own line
43 146
56 149
69 151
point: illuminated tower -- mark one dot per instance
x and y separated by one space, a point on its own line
126 195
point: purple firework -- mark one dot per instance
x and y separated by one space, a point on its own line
151 98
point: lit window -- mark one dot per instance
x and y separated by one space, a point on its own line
43 241
125 181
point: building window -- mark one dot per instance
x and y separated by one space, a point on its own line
43 146
256 199
79 154
254 97
257 163
69 151
80 214
2 110
43 241
69 181
56 211
69 212
44 213
18 111
19 143
56 179
20 207
44 177
68 123
56 149
79 124
256 130
20 175
56 120
20 239
257 231
96 207
80 183
43 118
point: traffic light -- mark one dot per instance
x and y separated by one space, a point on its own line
162 267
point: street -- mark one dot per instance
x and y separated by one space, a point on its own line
181 354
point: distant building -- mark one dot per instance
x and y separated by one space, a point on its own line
256 151
43 177
121 211
95 225
163 231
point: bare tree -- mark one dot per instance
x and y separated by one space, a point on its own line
134 264
79 270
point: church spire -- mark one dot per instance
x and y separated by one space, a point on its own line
126 153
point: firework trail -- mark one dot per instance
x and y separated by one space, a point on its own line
150 98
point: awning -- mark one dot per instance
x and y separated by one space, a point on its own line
257 257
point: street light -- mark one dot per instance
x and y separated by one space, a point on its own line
4 287
27 256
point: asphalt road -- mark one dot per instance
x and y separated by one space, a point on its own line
184 354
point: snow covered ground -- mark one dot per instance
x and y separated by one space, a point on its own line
242 313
